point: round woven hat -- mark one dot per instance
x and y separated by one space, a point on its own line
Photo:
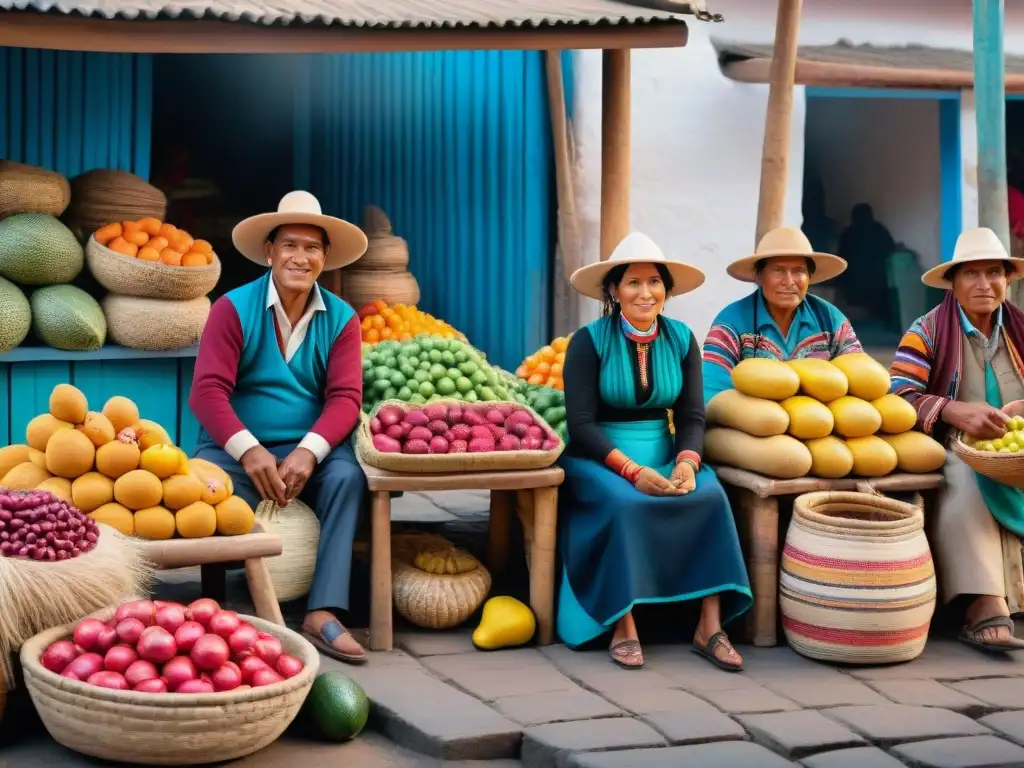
348 242
976 244
635 248
787 242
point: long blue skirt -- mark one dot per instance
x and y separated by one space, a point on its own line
620 548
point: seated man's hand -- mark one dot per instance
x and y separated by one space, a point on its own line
296 470
261 467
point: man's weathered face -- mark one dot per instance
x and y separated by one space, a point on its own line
980 286
784 282
296 257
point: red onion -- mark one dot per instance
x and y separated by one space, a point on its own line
37 525
170 617
243 639
268 648
151 685
251 665
86 633
210 652
157 645
139 671
85 665
227 678
143 610
130 630
195 686
265 677
106 639
57 657
119 658
224 623
106 679
202 610
179 670
288 666
187 634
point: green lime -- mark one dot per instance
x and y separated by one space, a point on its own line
471 396
407 370
447 358
468 367
397 379
426 389
446 386
404 394
381 385
367 364
437 371
421 376
381 372
463 384
390 362
453 373
460 356
434 355
477 377
426 343
391 393
417 399
487 395
425 364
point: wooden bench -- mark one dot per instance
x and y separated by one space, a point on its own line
757 513
213 553
543 483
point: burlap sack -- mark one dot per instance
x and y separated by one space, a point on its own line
156 325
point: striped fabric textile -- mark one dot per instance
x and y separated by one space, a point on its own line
857 596
911 369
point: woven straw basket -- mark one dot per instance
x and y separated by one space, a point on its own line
166 729
495 461
434 601
1005 468
291 572
360 288
385 251
857 582
104 196
28 189
129 276
155 324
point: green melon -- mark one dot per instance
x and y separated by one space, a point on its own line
67 317
337 706
36 249
15 316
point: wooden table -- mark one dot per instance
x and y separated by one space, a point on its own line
503 487
757 499
211 554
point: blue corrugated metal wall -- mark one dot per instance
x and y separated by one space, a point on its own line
72 112
455 147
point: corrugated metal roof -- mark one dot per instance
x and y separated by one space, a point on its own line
380 13
894 57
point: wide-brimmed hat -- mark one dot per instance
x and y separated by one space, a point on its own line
635 248
977 244
348 242
787 242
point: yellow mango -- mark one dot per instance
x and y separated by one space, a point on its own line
504 623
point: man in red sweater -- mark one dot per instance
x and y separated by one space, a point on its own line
277 391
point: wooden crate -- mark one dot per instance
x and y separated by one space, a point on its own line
158 382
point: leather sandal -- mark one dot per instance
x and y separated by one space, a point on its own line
330 631
627 654
708 651
971 635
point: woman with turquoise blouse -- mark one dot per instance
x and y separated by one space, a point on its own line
641 519
779 320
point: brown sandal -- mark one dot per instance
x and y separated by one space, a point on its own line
708 651
627 654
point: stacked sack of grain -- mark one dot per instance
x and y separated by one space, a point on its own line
815 417
382 273
158 276
39 254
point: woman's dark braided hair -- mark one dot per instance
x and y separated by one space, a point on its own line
614 277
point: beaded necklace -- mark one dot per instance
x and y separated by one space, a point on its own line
643 340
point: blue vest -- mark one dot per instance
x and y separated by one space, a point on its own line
279 401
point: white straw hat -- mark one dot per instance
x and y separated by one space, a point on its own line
635 248
787 242
977 244
348 242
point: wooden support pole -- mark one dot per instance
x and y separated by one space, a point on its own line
775 153
990 108
615 150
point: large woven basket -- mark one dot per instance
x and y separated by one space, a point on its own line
166 729
102 196
857 583
434 601
495 461
28 189
1005 468
155 324
385 251
291 572
128 276
359 287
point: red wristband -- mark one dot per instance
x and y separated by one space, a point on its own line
691 455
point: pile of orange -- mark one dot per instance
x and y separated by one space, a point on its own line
150 239
380 321
544 367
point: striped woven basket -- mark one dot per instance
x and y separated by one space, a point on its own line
857 584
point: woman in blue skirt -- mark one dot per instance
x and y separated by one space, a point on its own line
641 521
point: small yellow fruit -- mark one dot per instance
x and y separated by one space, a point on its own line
69 453
117 458
196 521
116 516
97 428
58 486
234 517
121 412
68 403
24 477
91 491
217 484
150 433
154 523
41 428
138 489
504 623
182 490
11 456
37 457
164 460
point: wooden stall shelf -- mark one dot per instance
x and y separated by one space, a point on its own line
543 483
757 512
212 553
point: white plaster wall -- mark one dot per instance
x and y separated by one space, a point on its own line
884 152
697 136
